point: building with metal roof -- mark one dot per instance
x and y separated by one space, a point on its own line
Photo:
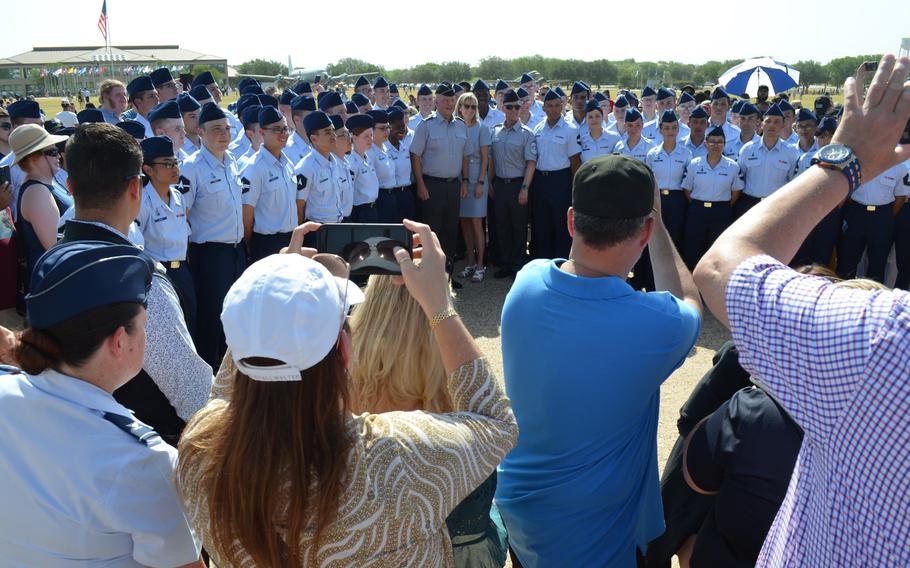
59 70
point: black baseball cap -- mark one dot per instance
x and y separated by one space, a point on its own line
613 187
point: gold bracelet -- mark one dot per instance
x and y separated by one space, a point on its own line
442 316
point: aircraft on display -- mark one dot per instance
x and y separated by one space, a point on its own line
311 75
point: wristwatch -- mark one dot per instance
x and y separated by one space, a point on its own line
841 157
524 186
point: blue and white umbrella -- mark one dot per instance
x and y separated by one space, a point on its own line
748 75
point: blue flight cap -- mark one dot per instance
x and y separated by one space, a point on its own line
331 99
828 124
806 114
90 115
161 76
560 92
717 131
621 101
525 78
579 87
501 85
209 112
73 278
685 97
665 93
480 85
444 90
785 105
736 106
252 90
360 99
336 121
360 121
302 87
774 110
380 82
351 108
400 104
668 116
393 89
600 97
379 116
632 115
200 93
522 93
648 92
187 103
245 101
699 112
267 100
593 105
316 120
395 113
250 115
510 96
633 100
169 109
248 81
24 109
303 102
287 96
139 85
719 93
361 82
204 78
457 88
133 127
319 97
269 115
157 147
748 109
551 95
424 91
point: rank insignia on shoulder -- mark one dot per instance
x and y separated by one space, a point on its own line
301 182
244 185
182 185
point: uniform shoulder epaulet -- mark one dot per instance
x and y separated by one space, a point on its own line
134 428
182 185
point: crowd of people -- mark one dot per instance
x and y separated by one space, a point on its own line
196 383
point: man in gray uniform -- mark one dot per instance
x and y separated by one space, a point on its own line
439 160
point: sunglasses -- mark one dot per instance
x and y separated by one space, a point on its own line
278 129
468 106
511 107
51 152
375 255
168 165
6 125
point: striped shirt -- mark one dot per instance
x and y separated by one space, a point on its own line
836 359
406 472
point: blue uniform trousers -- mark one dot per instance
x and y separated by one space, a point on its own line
705 221
673 207
365 213
182 280
868 228
407 203
262 246
387 205
550 198
902 246
215 267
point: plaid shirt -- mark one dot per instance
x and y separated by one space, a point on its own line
837 359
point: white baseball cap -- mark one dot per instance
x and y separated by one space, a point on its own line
285 307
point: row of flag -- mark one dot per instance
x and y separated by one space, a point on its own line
83 71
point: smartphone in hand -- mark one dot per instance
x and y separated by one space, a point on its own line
368 248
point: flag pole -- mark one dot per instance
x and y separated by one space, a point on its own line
110 56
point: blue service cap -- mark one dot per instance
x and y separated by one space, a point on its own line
480 85
90 115
828 124
600 97
252 90
24 109
316 120
73 278
204 78
200 93
379 116
187 103
648 92
774 110
522 93
360 121
336 121
168 109
719 93
501 85
302 87
510 96
748 109
287 96
157 147
380 82
140 85
525 78
351 108
717 131
685 97
360 99
632 115
593 105
269 115
361 82
267 100
393 88
133 127
161 76
303 102
560 92
250 115
621 101
668 116
424 91
665 93
699 112
395 113
580 87
785 105
331 99
551 95
805 114
210 112
444 90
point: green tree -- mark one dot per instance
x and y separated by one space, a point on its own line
491 68
353 66
454 71
842 67
266 67
426 73
216 73
811 72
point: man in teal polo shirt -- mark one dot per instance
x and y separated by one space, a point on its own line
584 357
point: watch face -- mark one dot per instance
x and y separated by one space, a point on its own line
835 153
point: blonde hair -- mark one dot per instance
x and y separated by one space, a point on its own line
465 97
862 284
397 364
107 86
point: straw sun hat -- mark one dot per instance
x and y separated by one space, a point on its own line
30 138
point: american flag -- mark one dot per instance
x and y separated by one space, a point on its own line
102 20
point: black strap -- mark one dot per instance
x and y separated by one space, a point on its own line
135 429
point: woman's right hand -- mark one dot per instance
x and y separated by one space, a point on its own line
425 278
